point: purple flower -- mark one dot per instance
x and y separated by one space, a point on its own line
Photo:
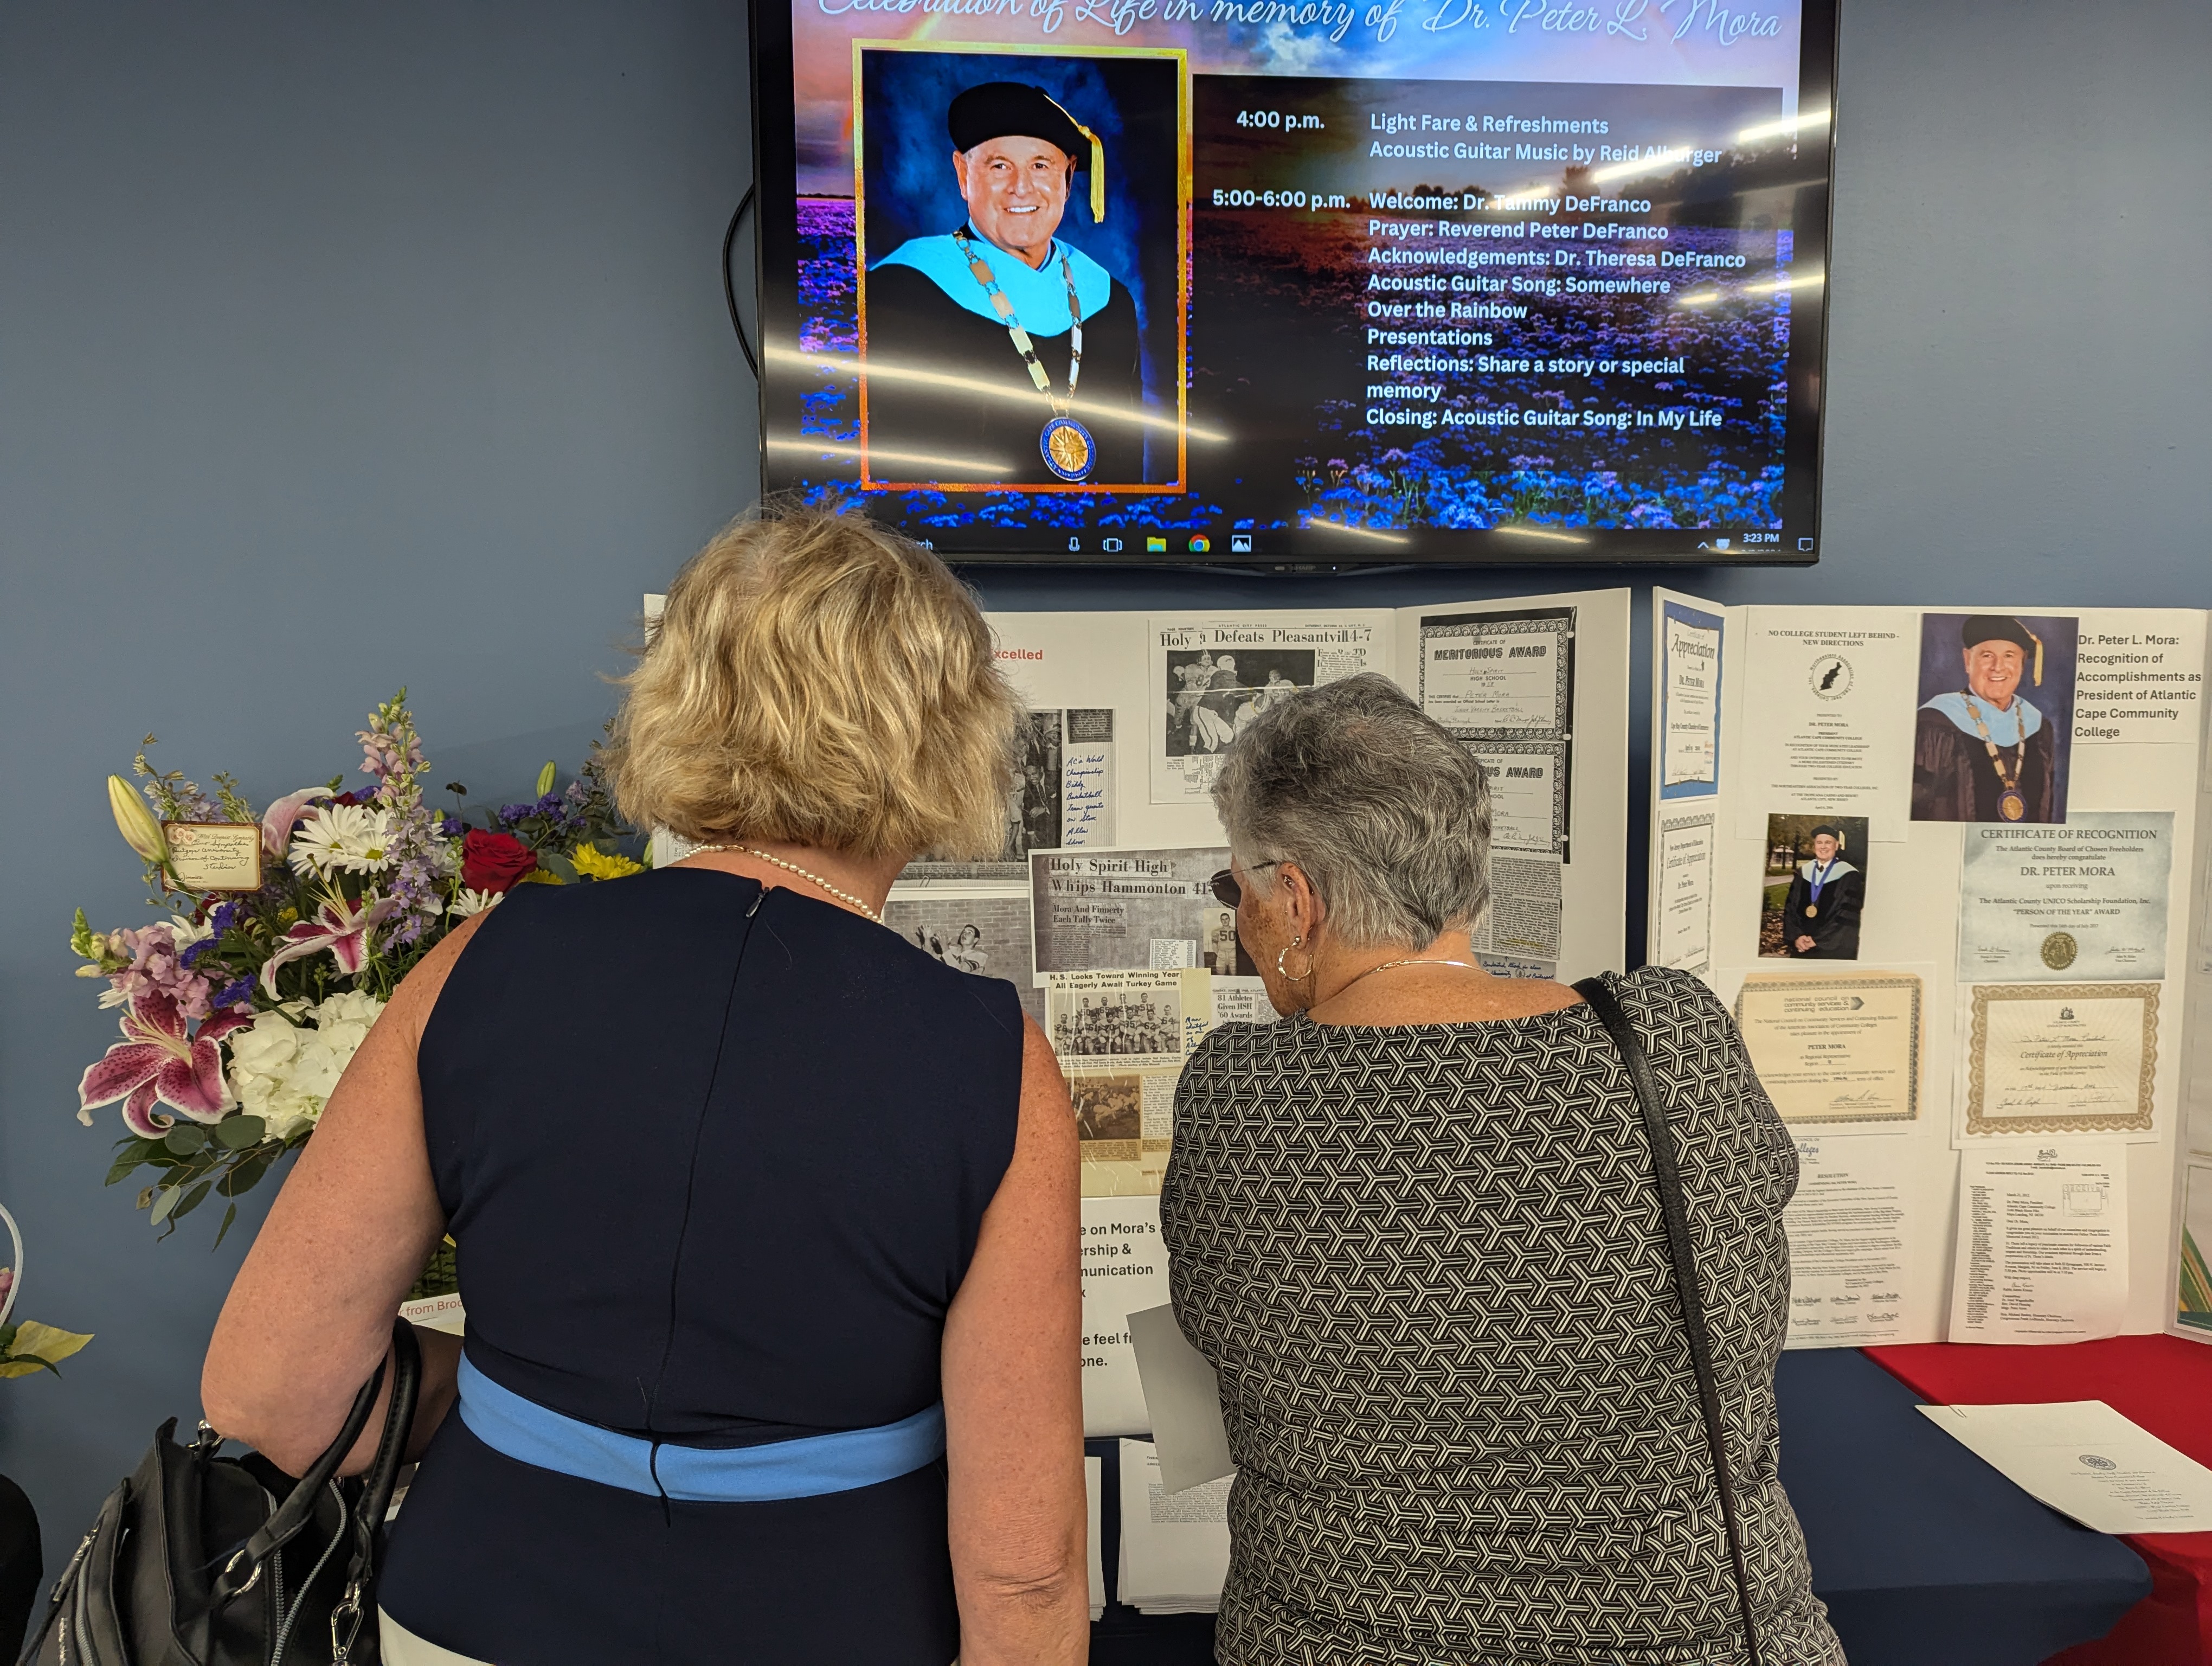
224 917
237 992
194 951
450 826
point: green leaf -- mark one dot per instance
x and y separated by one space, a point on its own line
248 1173
556 863
146 1195
128 1158
237 1133
229 1214
193 1199
165 1200
185 1139
7 1337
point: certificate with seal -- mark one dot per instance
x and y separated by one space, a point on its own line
2066 903
1836 1050
2068 1058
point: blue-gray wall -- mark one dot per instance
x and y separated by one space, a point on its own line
344 345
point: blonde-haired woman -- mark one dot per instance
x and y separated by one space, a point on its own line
771 1353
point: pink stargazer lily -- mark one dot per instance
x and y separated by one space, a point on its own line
161 1061
284 815
343 928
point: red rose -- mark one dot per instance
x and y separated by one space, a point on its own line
494 862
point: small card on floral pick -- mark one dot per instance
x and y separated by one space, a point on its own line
215 855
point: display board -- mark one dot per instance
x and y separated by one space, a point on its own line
1949 868
1098 904
1243 281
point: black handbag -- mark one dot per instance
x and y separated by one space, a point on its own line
203 1560
1686 1289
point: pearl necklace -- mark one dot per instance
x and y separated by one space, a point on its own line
792 867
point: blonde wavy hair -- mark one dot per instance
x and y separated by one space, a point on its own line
818 680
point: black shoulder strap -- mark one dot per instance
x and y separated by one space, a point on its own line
1608 1007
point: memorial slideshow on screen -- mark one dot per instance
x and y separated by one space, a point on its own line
1299 281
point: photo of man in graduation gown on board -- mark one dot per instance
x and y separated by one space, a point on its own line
1815 892
1994 733
995 350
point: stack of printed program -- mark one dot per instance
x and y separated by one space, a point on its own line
1174 1545
1949 868
1099 905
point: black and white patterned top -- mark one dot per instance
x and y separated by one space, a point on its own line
1429 1265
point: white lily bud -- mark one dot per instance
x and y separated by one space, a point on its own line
140 831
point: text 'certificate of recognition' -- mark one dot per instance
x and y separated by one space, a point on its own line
2083 899
2076 1058
1837 1049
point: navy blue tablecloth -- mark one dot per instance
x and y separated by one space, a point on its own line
1924 1555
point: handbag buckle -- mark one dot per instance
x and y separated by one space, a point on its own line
345 1625
253 1579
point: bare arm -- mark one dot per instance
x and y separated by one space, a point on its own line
1013 1400
310 1314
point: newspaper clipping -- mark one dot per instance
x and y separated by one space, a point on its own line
1212 678
1131 910
978 931
1122 1038
1059 793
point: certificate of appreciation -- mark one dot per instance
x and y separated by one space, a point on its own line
1835 1049
1685 904
2085 899
2076 1058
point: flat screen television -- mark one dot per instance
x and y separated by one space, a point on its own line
1299 283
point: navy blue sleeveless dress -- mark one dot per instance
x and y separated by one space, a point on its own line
715 1157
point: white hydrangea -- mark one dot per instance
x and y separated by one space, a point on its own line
285 1072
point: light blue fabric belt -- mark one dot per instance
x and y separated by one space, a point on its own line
805 1468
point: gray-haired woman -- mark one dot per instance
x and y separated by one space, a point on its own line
1415 1230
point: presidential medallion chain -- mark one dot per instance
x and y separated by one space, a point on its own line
1068 446
2011 803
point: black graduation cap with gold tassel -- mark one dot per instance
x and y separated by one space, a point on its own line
1001 109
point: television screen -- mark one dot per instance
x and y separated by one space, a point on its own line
1299 282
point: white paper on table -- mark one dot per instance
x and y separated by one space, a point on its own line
1125 1267
1094 1484
1183 1398
2085 1459
1174 1545
2042 1253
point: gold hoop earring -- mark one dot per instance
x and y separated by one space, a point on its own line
1285 972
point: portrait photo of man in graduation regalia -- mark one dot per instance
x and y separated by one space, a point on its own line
1005 342
1815 890
1993 737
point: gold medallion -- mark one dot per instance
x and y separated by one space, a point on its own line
2012 807
1812 911
2059 949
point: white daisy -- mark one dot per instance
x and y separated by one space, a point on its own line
471 902
348 838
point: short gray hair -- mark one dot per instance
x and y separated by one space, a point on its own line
1386 813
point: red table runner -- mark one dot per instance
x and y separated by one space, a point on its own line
2163 1382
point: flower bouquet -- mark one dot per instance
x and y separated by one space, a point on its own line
286 933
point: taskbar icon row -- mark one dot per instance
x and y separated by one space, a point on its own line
1154 544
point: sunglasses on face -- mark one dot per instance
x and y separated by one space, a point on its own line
1227 891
